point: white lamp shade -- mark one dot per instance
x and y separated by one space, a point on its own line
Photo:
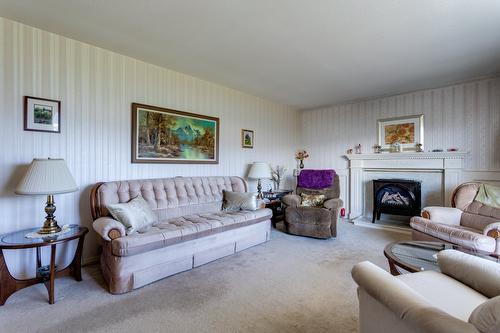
260 170
47 176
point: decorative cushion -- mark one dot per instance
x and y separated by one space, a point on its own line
312 200
489 195
234 201
134 215
486 317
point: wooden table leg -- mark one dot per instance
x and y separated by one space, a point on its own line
76 265
52 276
393 268
8 284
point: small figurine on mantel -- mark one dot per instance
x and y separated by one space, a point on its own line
357 148
349 151
419 148
377 149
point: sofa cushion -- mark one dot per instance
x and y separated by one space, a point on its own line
446 293
460 235
134 215
234 201
180 229
169 197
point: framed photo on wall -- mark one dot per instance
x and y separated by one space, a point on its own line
42 115
247 138
161 135
407 130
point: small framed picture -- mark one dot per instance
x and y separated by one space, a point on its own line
42 115
246 138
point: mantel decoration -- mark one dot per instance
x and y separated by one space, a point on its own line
301 155
405 132
47 177
162 135
246 138
42 115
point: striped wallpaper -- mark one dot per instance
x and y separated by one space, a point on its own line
466 116
96 88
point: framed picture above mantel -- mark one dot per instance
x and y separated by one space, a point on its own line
406 131
161 135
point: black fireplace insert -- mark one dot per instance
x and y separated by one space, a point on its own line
396 197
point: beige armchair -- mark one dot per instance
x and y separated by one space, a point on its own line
467 223
464 298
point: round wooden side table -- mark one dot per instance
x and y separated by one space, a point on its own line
44 274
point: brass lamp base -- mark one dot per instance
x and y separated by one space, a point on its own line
50 225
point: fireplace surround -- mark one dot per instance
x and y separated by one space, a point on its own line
396 197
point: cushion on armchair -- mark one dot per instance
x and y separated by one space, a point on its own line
316 179
312 200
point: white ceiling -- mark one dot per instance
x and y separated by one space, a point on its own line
304 53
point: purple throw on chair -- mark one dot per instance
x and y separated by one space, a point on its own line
316 179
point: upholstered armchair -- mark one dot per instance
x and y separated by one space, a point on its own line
463 298
318 222
468 222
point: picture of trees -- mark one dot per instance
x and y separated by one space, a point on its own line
42 114
174 136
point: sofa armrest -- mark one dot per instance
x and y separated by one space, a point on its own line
291 200
333 204
480 274
109 228
405 303
444 215
492 230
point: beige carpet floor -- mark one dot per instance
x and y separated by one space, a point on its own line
290 284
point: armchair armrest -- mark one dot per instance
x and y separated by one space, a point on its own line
333 204
492 230
480 274
109 228
405 303
291 200
444 215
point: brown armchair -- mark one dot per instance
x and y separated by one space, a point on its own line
318 222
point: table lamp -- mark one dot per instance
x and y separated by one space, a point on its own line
47 177
260 170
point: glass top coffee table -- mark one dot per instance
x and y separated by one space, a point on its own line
416 256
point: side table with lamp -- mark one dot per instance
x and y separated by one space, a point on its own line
44 177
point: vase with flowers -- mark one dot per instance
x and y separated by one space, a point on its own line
301 155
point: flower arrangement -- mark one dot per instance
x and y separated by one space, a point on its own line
277 174
301 155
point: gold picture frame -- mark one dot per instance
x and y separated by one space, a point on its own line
161 135
407 130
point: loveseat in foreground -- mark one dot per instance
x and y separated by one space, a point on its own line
191 228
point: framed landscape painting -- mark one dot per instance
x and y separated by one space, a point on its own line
42 115
162 135
246 138
407 130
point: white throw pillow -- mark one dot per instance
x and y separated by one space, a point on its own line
134 215
234 201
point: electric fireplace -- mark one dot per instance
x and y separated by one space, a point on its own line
396 197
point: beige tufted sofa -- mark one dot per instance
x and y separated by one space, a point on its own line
190 231
468 223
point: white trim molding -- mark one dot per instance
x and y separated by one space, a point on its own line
450 164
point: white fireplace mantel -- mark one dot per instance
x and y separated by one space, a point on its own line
449 163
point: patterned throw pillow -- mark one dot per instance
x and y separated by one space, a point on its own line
233 201
134 215
312 200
